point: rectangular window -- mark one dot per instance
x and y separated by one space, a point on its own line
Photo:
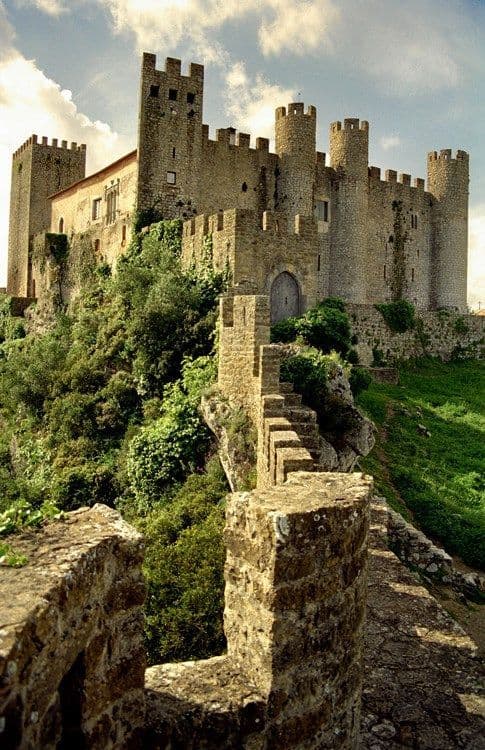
171 178
385 274
96 209
321 210
173 153
412 274
319 262
154 91
111 203
190 98
123 234
97 246
172 95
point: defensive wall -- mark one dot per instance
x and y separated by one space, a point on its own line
443 333
71 650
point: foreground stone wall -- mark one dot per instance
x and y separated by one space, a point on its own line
72 660
295 600
442 333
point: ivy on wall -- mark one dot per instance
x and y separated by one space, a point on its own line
398 277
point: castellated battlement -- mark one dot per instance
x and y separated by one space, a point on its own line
392 177
231 137
173 67
243 220
296 109
350 123
54 143
446 155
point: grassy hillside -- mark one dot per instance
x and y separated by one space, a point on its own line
434 476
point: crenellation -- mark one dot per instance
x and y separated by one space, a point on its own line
341 244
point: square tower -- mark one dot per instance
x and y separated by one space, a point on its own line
169 137
38 171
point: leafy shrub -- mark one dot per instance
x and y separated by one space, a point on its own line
184 564
461 326
284 331
360 379
399 315
378 359
326 327
352 357
84 485
308 374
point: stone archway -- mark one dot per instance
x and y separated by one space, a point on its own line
284 297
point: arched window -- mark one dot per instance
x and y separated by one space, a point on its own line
61 225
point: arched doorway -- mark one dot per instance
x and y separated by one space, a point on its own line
285 297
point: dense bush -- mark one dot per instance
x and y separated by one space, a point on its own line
184 564
360 379
399 315
325 327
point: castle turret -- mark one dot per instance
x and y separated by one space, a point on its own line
169 137
295 138
448 183
39 169
349 156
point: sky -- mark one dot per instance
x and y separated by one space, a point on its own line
69 69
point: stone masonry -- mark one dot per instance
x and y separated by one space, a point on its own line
333 229
72 659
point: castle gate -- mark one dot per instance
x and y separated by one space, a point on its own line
285 297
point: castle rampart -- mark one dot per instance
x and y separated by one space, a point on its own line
38 170
376 239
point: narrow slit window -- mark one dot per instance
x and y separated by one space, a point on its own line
171 178
61 226
385 273
123 234
96 209
173 152
319 262
412 274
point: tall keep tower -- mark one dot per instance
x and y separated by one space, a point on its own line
295 138
169 136
38 171
349 156
448 182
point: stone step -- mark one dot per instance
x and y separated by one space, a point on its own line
301 414
292 399
310 442
286 388
304 428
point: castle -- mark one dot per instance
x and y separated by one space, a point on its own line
299 230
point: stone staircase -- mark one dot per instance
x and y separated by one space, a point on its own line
290 436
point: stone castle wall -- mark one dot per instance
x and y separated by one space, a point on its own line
72 662
39 169
72 658
73 209
256 249
443 333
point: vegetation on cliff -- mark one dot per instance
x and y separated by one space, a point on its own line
429 460
103 408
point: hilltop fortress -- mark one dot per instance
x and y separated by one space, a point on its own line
297 228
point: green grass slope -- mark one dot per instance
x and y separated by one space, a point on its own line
435 478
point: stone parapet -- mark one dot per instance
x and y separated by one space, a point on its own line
72 659
295 600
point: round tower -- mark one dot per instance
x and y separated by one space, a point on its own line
448 183
295 139
349 157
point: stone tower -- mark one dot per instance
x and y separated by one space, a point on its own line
38 171
169 136
349 156
295 138
448 183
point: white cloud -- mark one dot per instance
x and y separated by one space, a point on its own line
250 103
407 48
51 7
32 103
390 141
476 257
